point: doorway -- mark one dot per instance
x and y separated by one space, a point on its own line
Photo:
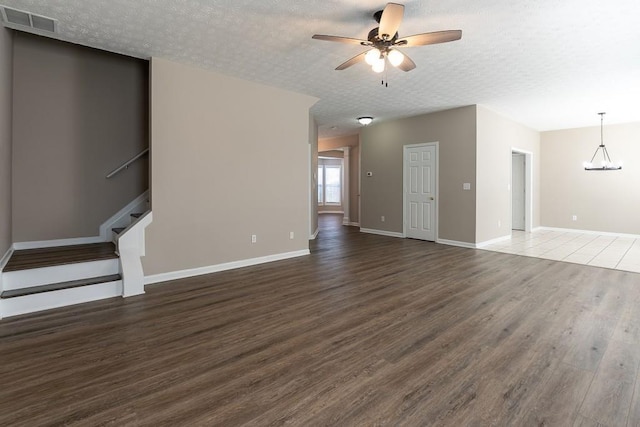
521 190
421 191
517 191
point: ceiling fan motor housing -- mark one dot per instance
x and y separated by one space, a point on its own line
377 41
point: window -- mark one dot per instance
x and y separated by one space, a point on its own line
329 182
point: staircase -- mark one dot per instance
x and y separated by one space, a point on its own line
51 277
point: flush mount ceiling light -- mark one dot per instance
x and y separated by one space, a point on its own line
607 164
365 120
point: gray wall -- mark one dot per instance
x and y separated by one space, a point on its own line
6 59
381 153
602 200
78 113
496 137
218 177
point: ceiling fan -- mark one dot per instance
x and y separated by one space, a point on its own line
383 41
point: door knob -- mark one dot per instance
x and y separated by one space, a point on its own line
430 198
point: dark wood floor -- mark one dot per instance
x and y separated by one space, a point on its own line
367 330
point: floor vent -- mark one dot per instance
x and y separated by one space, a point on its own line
26 21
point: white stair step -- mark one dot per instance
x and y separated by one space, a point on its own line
60 273
59 298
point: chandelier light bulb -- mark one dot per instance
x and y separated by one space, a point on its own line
372 56
395 57
378 66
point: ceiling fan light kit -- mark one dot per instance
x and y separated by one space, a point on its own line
364 121
606 164
383 41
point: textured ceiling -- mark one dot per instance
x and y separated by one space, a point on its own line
548 64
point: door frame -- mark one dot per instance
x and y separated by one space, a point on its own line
435 144
528 188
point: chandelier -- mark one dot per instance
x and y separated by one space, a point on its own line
607 164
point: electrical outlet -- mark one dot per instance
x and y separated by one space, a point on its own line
382 218
254 238
574 218
291 235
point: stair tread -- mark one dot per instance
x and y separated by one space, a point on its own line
48 257
118 230
136 215
58 286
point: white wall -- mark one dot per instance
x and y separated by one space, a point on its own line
602 200
230 158
496 137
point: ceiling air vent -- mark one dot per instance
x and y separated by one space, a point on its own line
26 21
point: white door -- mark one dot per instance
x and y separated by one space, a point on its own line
420 192
517 191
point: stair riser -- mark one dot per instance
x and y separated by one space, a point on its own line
54 299
59 273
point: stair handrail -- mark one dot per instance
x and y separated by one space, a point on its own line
126 164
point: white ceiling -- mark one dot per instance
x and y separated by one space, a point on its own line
548 64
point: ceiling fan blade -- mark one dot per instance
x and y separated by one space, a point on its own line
407 64
341 39
430 38
352 61
390 20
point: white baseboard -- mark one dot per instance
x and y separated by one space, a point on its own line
330 212
57 242
601 233
492 241
381 232
456 243
352 224
314 235
182 274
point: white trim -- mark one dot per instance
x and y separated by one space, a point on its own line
330 212
58 242
492 241
131 246
314 235
346 195
119 219
528 188
352 224
382 232
435 144
181 274
122 217
5 258
456 243
602 233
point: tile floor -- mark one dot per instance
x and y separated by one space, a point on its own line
620 253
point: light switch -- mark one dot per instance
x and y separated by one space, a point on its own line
466 186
